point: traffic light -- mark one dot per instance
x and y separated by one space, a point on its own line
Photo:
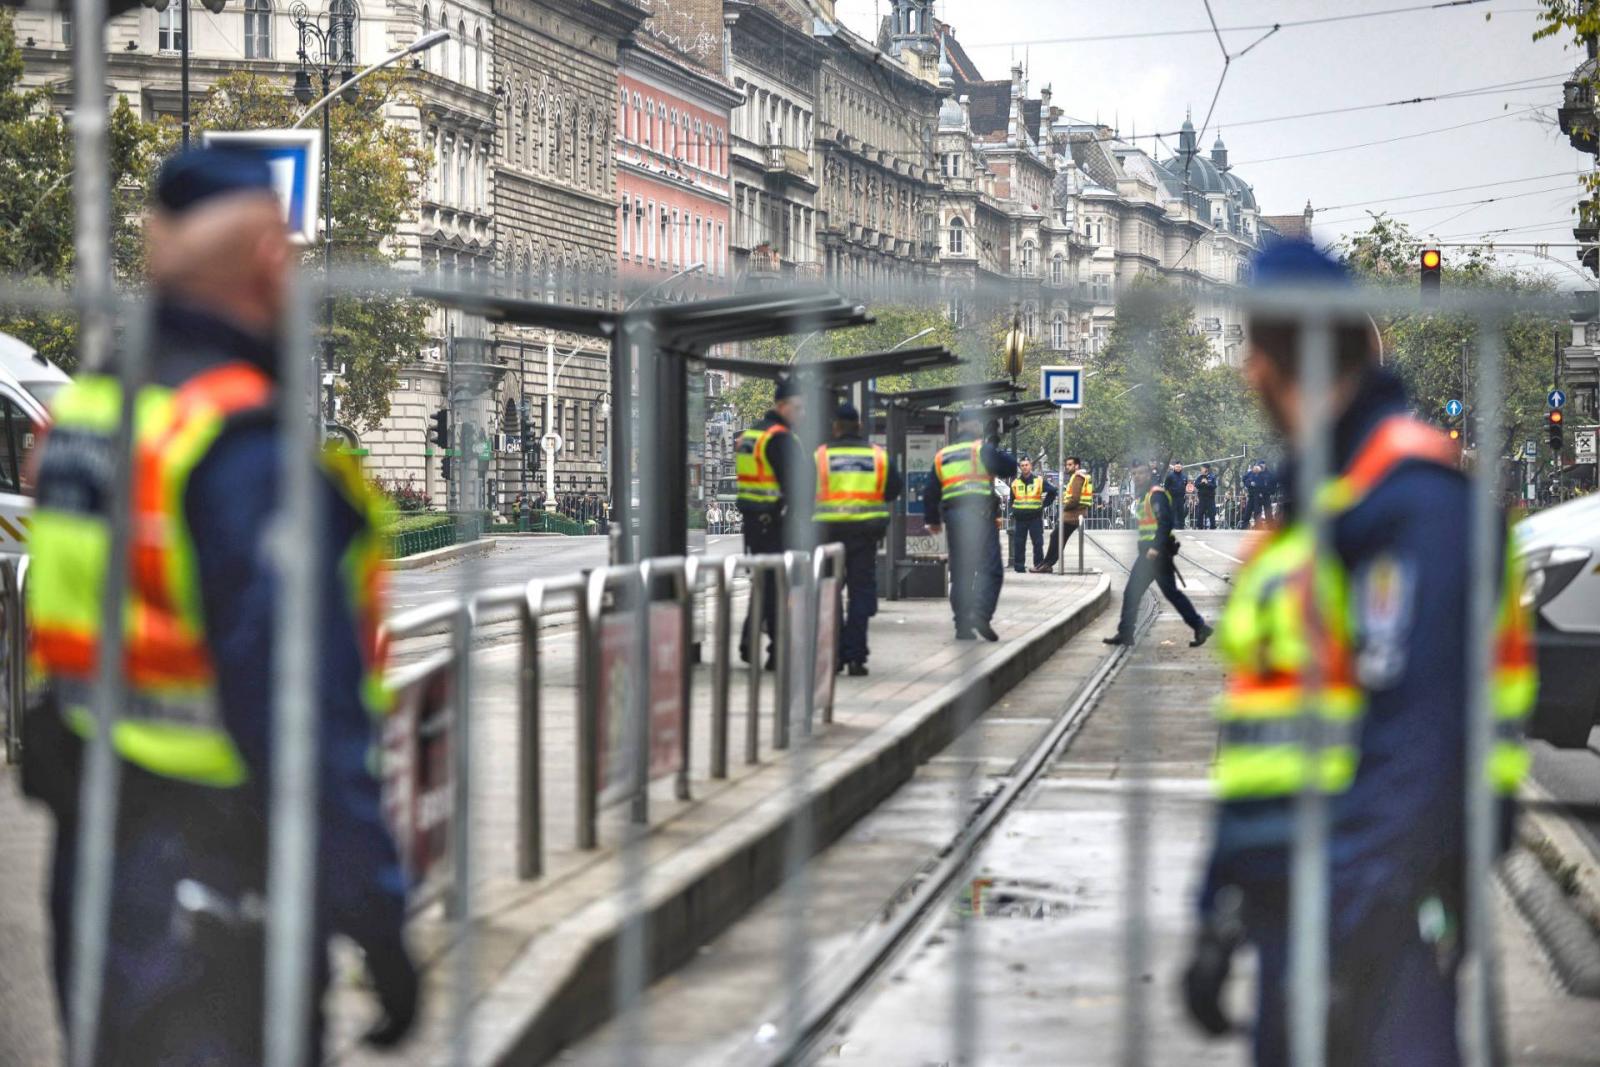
1432 265
1554 424
1452 426
528 443
440 435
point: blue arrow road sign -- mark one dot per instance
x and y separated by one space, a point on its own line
1556 398
1452 408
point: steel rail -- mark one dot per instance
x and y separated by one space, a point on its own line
833 994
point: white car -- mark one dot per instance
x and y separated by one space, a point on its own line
28 381
1560 548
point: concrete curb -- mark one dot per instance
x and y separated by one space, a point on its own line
560 987
1565 856
1567 938
466 550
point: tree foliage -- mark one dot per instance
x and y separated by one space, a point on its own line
1433 353
36 208
375 164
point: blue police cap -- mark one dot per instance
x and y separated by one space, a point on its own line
847 413
784 388
196 175
1296 263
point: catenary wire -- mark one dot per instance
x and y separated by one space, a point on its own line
1391 140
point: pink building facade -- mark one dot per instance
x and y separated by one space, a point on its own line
674 190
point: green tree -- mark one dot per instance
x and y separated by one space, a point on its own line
1432 352
36 209
373 192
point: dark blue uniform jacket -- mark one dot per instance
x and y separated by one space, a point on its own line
1399 828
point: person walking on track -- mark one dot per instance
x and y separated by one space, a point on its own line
1076 500
1154 563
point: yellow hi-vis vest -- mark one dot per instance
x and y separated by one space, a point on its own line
850 483
1086 494
170 723
758 480
1148 523
959 468
1027 498
1285 639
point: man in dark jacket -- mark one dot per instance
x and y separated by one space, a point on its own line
1031 497
1205 491
960 494
774 475
1154 563
1177 487
1252 495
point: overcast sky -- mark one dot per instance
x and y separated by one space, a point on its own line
1144 85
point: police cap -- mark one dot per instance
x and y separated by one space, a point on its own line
784 388
196 175
847 413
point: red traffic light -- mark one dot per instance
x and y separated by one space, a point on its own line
1430 259
1555 417
1455 434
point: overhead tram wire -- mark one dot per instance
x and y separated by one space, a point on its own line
1213 28
1453 204
1456 189
1392 140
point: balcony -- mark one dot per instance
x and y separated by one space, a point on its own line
788 163
1588 230
1577 115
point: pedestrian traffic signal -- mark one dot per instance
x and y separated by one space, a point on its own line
441 428
528 443
1554 424
1432 265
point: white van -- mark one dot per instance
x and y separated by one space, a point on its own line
1561 549
28 382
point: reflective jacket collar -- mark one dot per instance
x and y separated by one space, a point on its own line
191 340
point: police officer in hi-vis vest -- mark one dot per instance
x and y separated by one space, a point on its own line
774 476
1077 499
1031 494
1153 562
183 966
1378 623
960 494
855 483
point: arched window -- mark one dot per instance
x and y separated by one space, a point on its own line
1029 255
622 114
477 52
1058 332
1030 321
958 237
649 121
343 26
258 29
698 145
427 28
1058 270
461 53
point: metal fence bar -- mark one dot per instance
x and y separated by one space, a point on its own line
688 578
11 590
830 558
530 739
783 650
754 638
721 668
1308 880
1479 1027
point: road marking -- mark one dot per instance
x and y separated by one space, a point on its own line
1218 551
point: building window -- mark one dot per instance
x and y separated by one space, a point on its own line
1102 288
66 29
1058 332
1058 270
342 39
1029 253
169 29
649 119
958 235
1030 322
257 29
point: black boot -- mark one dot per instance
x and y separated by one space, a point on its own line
1200 634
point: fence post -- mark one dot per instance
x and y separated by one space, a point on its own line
688 578
782 639
753 638
721 667
594 599
530 785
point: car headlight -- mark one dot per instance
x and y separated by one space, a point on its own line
1550 570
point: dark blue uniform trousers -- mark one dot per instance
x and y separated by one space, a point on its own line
1026 527
1391 1003
1145 571
763 535
860 592
976 570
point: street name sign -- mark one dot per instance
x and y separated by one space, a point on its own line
294 158
1062 386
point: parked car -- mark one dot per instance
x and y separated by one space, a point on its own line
1560 548
27 383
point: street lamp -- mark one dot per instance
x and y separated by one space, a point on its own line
325 48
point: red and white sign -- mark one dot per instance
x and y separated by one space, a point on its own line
416 767
621 668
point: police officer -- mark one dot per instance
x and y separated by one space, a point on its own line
855 482
1177 487
960 494
1154 562
1205 491
1031 494
183 966
1252 482
1378 623
774 476
1077 499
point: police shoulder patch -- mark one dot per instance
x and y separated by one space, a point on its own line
1385 589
